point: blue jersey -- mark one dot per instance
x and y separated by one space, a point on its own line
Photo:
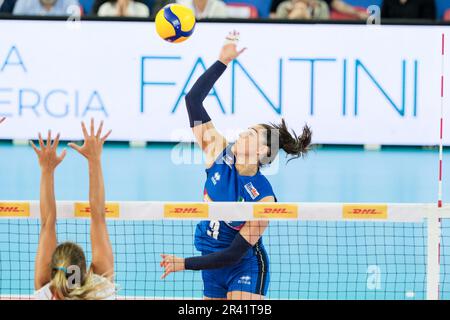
223 183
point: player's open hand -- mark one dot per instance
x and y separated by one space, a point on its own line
48 159
93 142
171 264
229 50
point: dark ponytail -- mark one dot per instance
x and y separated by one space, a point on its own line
294 145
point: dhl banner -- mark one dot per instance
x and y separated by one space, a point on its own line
82 210
186 210
233 211
275 211
365 211
14 209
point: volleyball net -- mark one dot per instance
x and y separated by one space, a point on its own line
315 250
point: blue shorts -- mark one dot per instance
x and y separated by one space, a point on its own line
250 275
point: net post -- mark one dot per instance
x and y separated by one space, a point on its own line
433 256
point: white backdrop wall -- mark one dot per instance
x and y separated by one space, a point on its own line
354 84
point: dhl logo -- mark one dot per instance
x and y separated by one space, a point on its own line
275 211
14 209
186 210
365 211
83 210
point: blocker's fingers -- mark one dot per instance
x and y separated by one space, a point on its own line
56 141
63 155
49 138
74 146
99 131
92 126
34 147
41 141
83 127
106 136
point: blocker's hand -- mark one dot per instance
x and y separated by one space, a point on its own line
229 50
93 143
171 264
48 159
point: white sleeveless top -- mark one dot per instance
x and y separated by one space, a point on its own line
45 293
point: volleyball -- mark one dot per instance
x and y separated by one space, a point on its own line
175 23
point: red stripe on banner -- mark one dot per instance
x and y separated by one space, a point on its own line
439 203
440 170
443 41
442 128
442 86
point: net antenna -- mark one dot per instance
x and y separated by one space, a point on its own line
441 122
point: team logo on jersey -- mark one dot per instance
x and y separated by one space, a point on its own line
247 280
215 178
251 190
14 209
228 159
365 211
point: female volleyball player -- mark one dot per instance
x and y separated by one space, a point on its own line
60 270
234 261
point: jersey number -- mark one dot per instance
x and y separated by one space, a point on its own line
213 231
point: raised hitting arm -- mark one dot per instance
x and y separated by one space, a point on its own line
208 138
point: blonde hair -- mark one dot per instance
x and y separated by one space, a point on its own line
91 286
